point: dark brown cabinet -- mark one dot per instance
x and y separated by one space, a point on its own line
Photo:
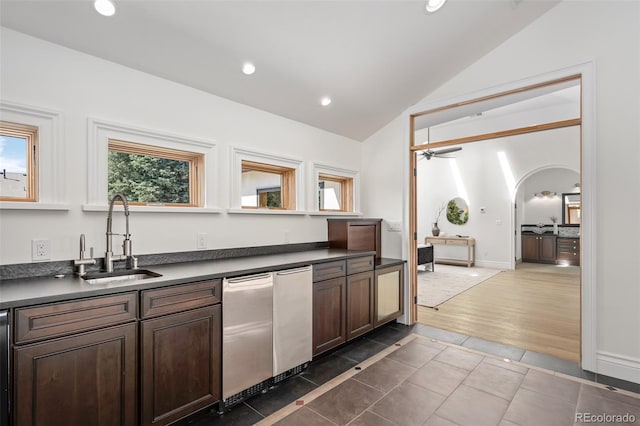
360 299
180 364
75 363
355 234
568 251
78 362
342 301
89 378
329 314
180 350
539 248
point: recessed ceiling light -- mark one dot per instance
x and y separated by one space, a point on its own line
248 68
434 5
105 7
325 101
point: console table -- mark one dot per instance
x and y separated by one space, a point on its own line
469 243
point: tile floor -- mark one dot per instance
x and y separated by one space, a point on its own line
432 382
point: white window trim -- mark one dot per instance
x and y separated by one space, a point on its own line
238 155
51 160
320 168
100 131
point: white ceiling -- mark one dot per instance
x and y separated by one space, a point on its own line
374 58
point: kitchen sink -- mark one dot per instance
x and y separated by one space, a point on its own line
119 276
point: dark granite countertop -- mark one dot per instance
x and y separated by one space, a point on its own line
386 261
30 291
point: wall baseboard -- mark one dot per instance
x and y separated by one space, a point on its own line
618 366
493 264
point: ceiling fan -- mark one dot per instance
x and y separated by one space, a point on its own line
437 153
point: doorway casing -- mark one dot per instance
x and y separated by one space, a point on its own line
585 72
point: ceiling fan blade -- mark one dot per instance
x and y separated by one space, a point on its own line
447 150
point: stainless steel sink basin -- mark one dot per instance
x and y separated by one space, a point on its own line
119 276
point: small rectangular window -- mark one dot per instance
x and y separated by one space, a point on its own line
151 175
335 193
268 186
18 162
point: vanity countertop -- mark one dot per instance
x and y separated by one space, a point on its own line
30 291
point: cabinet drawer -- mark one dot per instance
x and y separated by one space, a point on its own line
329 270
65 318
568 245
568 256
179 298
359 264
457 242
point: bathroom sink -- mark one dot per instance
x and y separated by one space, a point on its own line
119 276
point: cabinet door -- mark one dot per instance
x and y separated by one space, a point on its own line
180 365
530 247
547 249
329 314
86 379
388 303
359 304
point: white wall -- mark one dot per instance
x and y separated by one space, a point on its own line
484 185
571 33
540 209
48 76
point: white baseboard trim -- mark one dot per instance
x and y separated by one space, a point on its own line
618 366
493 264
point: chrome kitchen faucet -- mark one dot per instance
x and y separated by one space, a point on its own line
109 257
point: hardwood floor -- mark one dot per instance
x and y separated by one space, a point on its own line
536 307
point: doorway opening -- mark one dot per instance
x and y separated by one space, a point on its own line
474 124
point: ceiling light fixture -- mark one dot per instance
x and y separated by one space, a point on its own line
325 101
105 7
542 194
248 68
434 5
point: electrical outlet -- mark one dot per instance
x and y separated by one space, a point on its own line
286 237
201 240
40 250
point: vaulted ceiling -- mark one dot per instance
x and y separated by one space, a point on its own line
373 58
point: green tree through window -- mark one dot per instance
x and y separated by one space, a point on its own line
148 179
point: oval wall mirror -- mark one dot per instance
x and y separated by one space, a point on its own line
457 211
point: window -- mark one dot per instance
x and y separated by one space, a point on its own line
336 190
268 186
152 175
335 193
18 162
265 183
172 173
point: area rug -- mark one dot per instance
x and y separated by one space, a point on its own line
435 288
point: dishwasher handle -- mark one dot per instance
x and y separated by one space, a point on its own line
294 271
242 280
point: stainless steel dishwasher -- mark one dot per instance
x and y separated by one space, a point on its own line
292 319
247 333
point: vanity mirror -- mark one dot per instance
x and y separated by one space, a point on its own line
457 211
571 209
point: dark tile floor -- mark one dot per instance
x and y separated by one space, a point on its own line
445 374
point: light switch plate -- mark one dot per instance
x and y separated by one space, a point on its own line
395 226
201 240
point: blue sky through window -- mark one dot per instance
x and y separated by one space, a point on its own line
13 154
